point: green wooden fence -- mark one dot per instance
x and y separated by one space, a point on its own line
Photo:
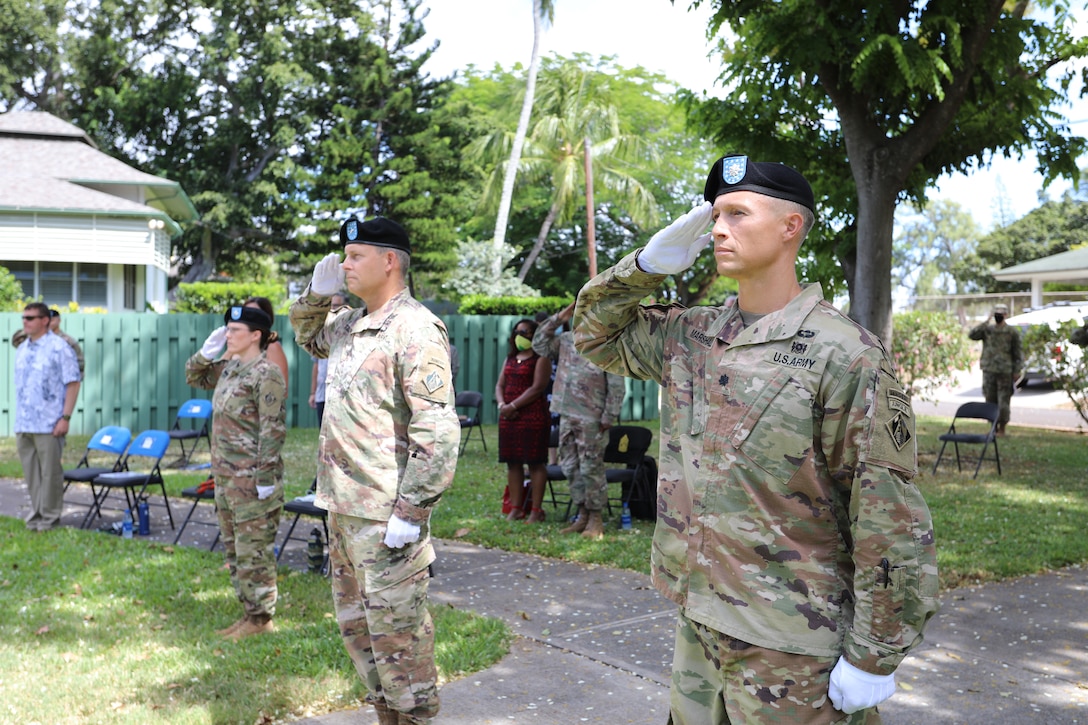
135 369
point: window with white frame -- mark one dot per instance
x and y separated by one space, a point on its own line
58 283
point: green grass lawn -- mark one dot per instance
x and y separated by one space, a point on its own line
118 634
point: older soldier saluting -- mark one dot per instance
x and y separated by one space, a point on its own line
388 451
789 532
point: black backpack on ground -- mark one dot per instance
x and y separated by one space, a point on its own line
641 494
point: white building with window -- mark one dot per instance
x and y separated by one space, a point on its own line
77 224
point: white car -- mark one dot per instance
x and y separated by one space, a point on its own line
1053 315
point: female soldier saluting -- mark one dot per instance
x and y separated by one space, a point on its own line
248 430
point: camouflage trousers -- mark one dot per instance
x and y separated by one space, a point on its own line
581 456
380 596
997 388
251 557
717 679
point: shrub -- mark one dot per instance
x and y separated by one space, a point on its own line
928 349
524 306
11 292
215 297
1049 348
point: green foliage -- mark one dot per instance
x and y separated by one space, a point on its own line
524 306
658 152
124 631
277 118
216 297
873 101
1050 348
928 348
11 292
474 276
1054 227
934 249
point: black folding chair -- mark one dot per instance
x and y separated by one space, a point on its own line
199 494
555 472
472 401
627 444
983 435
304 506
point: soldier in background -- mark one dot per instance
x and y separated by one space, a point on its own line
1001 362
248 432
587 401
388 451
789 532
19 336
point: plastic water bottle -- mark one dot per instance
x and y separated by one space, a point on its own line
315 551
625 518
143 515
126 524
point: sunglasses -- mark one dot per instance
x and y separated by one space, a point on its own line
34 317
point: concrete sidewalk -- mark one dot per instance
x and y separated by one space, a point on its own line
594 644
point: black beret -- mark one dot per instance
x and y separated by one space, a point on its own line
53 313
379 231
254 317
737 173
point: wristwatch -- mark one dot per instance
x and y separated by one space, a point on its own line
66 417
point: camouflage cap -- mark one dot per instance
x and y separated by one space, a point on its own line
1001 309
253 317
736 172
379 231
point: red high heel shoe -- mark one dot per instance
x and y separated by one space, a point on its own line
536 516
516 514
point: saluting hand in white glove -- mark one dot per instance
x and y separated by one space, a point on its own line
215 343
852 689
674 248
328 276
400 532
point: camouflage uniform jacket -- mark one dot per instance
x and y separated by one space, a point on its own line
249 426
1000 348
786 513
390 435
581 389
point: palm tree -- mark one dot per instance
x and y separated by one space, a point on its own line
576 143
543 11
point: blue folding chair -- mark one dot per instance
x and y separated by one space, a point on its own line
150 445
196 413
107 446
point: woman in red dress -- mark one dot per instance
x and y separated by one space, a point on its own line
524 420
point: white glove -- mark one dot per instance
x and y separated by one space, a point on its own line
215 342
674 248
400 532
852 689
328 276
264 492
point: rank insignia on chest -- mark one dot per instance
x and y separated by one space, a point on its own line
433 381
899 431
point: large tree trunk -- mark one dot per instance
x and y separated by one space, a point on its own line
511 172
203 263
871 293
